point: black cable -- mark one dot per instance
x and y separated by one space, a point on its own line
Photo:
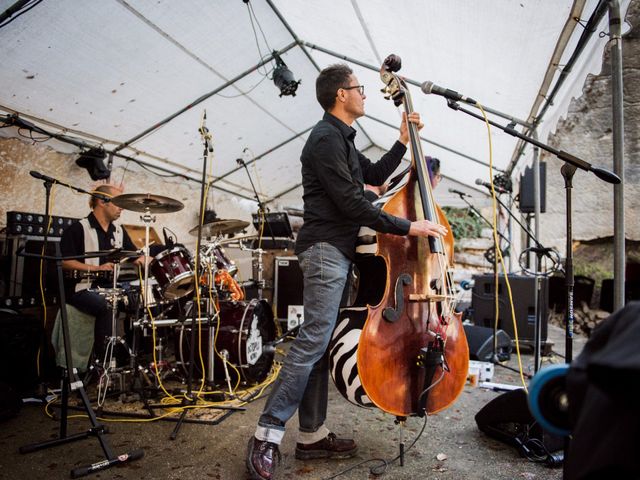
252 15
380 469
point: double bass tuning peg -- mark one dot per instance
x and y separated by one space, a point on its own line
392 63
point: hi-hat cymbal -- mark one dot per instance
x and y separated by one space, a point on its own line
117 255
220 227
143 202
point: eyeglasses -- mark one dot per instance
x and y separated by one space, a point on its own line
359 87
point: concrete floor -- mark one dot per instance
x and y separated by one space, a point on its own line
217 452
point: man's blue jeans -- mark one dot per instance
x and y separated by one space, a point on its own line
303 380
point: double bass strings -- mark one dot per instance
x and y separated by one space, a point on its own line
499 257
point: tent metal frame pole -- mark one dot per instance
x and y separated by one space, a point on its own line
439 145
589 30
298 185
412 82
263 154
205 96
11 120
617 97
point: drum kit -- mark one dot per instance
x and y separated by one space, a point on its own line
235 333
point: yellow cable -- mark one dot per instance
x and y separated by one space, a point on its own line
143 293
499 256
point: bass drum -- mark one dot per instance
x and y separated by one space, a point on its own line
245 329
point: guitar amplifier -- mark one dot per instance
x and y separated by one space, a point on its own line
287 295
27 223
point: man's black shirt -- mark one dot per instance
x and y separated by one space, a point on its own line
333 176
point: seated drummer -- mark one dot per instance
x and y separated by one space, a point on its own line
90 234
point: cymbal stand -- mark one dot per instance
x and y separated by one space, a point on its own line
209 262
147 218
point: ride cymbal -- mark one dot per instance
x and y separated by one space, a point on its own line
143 202
220 227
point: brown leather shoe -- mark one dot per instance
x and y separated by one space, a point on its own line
262 459
329 447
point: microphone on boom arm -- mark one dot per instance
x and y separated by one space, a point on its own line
487 185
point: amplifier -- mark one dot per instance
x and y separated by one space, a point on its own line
287 295
27 223
268 243
17 303
276 224
24 278
523 290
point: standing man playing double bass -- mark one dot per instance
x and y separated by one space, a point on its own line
333 175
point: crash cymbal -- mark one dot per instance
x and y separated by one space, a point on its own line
220 227
143 202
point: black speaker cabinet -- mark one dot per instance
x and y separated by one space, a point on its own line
527 198
480 340
288 286
523 290
20 336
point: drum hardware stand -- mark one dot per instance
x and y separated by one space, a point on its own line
71 382
571 163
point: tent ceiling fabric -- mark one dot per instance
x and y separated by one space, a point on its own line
111 69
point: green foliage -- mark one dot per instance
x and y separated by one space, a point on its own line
464 223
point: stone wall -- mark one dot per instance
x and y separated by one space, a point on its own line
587 132
22 192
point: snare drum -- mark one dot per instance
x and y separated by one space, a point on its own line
245 328
172 269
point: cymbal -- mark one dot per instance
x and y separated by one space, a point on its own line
142 202
220 227
117 255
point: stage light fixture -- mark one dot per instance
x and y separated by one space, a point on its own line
93 161
283 78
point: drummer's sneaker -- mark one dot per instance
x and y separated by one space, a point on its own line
329 447
262 459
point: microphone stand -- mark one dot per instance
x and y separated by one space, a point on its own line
262 210
188 398
572 163
48 182
71 382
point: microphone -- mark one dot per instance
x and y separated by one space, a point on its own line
467 284
429 87
458 192
204 131
40 176
168 241
498 189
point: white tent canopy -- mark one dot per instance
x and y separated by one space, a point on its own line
107 71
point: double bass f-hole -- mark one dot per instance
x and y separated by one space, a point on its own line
393 314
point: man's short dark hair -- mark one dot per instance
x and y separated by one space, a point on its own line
329 81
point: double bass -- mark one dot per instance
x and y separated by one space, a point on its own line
401 346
